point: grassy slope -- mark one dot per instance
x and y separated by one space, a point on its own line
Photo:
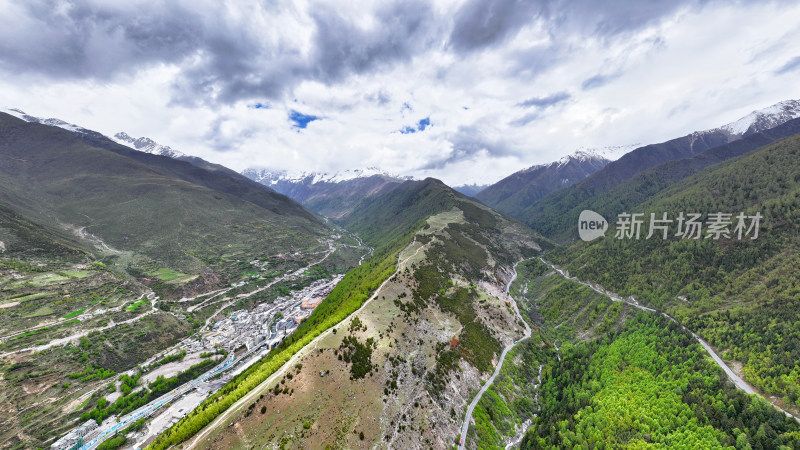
58 179
389 215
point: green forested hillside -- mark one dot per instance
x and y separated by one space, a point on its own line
650 386
514 193
383 218
740 295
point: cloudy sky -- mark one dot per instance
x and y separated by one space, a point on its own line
464 91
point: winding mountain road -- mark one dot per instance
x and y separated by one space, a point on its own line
736 379
471 407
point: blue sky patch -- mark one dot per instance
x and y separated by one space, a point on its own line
259 105
421 125
301 120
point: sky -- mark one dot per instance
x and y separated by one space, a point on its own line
464 91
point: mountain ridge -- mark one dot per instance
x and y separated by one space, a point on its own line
530 184
540 214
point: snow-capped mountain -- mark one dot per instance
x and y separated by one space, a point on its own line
331 194
611 152
143 144
147 145
53 122
273 177
528 185
764 119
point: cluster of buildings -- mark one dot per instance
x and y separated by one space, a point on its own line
74 440
269 322
265 325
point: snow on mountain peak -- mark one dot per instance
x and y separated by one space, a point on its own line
764 119
610 153
147 145
53 122
267 176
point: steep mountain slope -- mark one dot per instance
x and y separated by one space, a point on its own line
521 189
173 162
111 257
549 214
739 294
125 202
643 186
399 371
332 195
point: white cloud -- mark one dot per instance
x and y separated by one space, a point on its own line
187 81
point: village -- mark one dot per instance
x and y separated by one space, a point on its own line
246 336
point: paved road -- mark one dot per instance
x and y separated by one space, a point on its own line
151 407
471 407
155 405
738 381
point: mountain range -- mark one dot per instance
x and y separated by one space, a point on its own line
445 321
528 186
333 195
121 199
552 212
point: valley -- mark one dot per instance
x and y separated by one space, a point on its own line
414 317
400 225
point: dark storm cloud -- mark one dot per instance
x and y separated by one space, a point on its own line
545 102
613 17
224 55
234 70
481 23
79 40
342 48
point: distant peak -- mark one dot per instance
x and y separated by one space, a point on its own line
764 119
608 153
147 145
53 122
271 176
